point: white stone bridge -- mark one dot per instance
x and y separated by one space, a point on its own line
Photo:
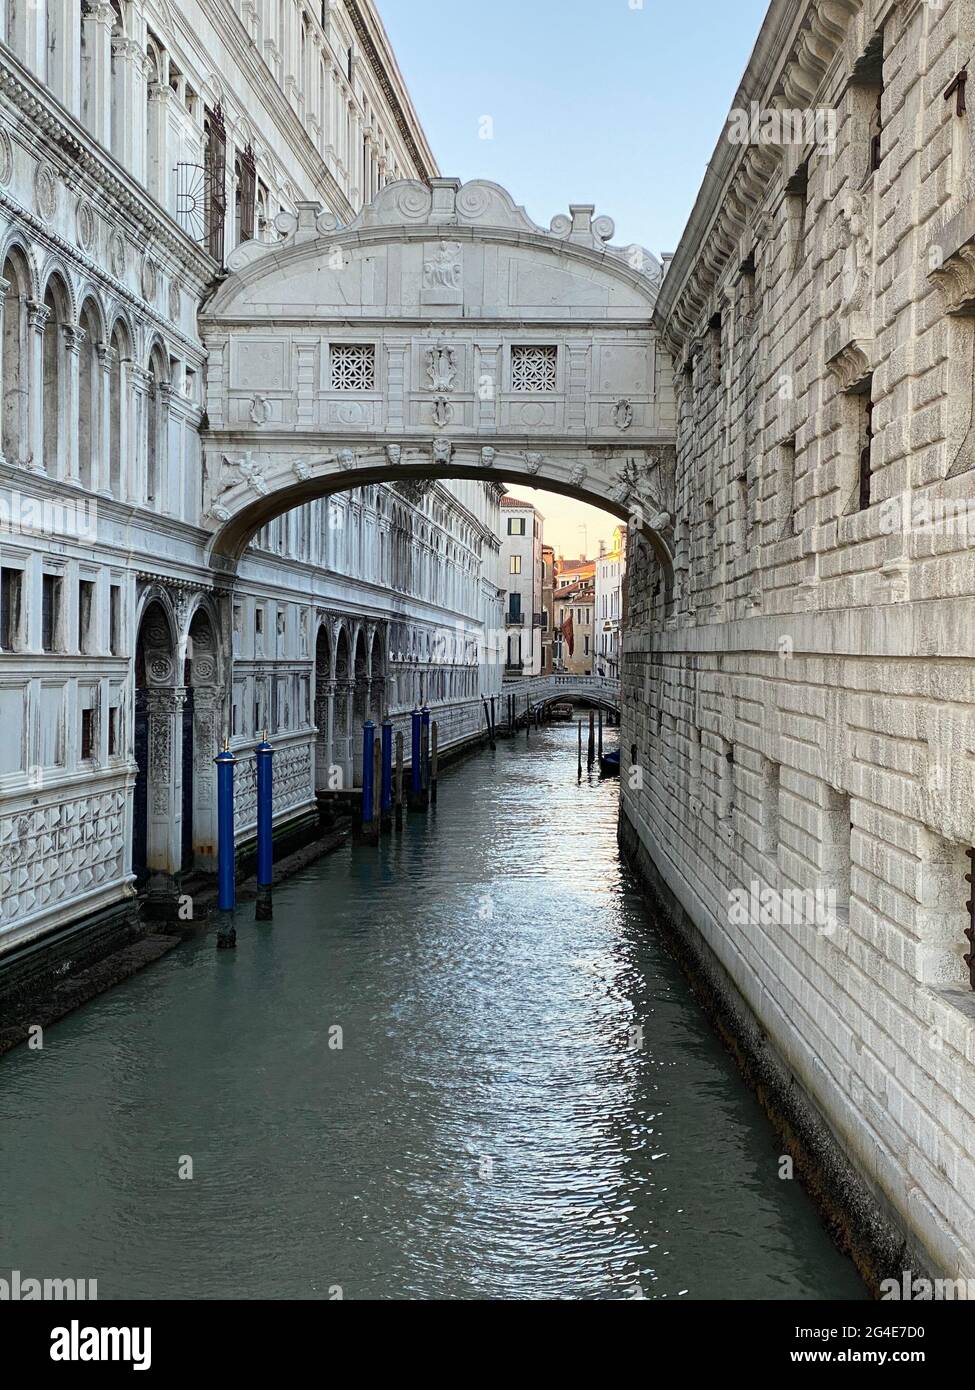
539 691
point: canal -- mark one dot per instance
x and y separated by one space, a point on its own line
462 1066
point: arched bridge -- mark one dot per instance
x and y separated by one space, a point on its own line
441 334
539 691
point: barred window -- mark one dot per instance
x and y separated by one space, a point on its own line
533 368
353 367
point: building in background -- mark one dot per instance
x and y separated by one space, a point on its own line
548 609
574 608
521 577
609 591
143 148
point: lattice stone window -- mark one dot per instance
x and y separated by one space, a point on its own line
353 367
533 368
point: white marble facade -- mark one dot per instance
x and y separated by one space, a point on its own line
141 144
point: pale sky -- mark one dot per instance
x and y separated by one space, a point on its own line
619 103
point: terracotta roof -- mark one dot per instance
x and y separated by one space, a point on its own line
509 501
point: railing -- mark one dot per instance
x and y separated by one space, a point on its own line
541 689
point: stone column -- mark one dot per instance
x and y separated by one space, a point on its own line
96 77
27 35
135 393
164 818
74 339
167 473
348 752
4 287
206 745
64 68
128 105
37 320
158 163
101 472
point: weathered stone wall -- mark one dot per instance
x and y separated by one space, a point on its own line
800 706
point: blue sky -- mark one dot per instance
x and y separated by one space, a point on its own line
592 101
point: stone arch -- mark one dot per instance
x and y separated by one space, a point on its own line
157 815
202 726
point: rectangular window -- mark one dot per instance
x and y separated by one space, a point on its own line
516 564
50 612
87 734
865 450
115 619
514 607
247 192
534 369
516 525
353 366
114 731
86 612
11 587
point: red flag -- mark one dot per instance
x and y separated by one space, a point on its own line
568 632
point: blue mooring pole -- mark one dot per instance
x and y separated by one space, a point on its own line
370 821
264 753
425 748
416 771
386 799
226 866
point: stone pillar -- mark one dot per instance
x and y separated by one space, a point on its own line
4 287
206 745
37 319
64 46
96 77
348 751
128 105
27 35
167 472
135 393
101 472
164 819
74 339
158 163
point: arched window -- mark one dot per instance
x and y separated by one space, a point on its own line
15 358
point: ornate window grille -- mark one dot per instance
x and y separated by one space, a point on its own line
533 368
353 367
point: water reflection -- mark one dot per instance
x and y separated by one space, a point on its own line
462 1066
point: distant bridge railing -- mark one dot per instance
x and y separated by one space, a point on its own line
542 690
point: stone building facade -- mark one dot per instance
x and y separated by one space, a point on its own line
142 146
799 684
522 574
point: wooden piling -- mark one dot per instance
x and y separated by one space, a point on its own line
580 750
600 733
434 761
398 784
592 737
377 782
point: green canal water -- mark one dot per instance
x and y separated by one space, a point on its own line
523 1100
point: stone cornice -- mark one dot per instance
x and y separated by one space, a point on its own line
795 49
375 45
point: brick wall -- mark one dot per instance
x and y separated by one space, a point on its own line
802 705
